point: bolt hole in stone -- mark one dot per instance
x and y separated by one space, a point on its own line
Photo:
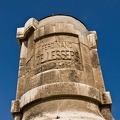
58 117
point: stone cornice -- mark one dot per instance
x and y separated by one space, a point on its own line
23 31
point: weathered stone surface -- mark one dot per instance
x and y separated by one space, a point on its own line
92 38
64 109
63 89
97 70
106 113
15 107
20 87
17 117
38 33
64 27
59 72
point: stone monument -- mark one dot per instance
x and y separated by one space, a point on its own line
59 72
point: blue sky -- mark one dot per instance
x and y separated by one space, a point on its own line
100 15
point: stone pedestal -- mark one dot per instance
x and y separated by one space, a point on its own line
59 72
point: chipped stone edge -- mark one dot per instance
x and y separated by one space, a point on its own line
15 107
106 98
92 40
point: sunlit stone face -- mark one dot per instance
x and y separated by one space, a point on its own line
57 52
59 72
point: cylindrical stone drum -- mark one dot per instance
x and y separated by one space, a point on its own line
59 72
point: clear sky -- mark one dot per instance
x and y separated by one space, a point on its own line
100 15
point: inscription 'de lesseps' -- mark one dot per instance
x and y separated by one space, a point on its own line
58 54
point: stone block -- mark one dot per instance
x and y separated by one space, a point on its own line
49 29
69 76
85 55
15 107
20 87
106 98
64 27
92 38
21 71
38 33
